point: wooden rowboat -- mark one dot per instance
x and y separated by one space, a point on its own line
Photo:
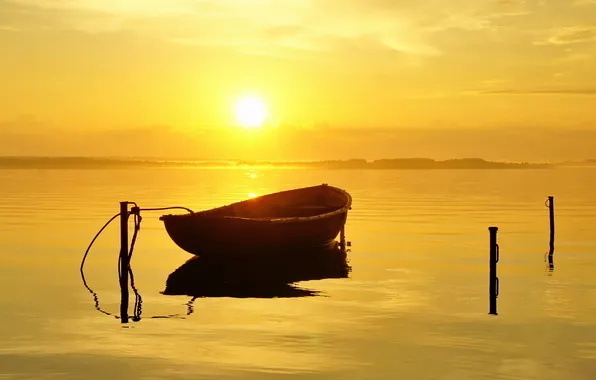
299 219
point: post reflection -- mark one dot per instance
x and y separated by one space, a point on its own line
550 262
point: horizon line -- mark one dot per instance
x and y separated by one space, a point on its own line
237 159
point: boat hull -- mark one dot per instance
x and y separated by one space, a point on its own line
226 235
221 234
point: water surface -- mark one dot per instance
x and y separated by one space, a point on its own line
415 305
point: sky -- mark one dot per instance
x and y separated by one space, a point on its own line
499 79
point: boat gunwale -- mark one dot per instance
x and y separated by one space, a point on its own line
275 220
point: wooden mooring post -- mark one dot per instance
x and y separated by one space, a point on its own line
124 262
550 203
551 215
493 284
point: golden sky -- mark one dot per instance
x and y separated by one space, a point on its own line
84 68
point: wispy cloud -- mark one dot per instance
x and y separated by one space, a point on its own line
260 24
8 28
264 26
584 2
540 91
570 35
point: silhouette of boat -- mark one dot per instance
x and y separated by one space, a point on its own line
258 277
289 220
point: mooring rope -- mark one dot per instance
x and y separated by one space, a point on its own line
167 208
138 308
95 297
137 226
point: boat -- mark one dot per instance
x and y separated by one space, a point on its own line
297 219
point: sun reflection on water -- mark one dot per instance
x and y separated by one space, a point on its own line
251 173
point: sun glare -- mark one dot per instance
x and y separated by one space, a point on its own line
251 112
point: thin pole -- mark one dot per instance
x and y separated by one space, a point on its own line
493 284
124 261
551 214
342 238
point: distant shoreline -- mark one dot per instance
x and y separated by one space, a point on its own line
391 164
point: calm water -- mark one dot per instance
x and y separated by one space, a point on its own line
415 305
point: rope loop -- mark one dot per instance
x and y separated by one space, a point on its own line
138 306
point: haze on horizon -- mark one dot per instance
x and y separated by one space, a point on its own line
498 79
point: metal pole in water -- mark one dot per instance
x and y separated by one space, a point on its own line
124 262
342 238
551 214
493 285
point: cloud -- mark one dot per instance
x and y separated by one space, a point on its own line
521 143
8 28
274 26
27 124
571 35
584 2
542 91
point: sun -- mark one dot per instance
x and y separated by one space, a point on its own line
251 112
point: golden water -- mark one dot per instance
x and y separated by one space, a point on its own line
415 305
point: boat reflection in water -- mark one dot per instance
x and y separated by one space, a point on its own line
253 275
